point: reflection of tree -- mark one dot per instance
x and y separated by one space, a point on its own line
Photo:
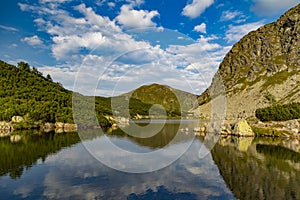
259 173
16 157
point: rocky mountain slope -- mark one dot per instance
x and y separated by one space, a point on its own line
263 68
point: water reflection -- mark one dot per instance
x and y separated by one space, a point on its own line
265 168
72 173
58 166
22 151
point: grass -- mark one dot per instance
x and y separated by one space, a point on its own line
268 132
277 78
280 59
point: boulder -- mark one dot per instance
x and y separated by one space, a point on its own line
17 119
242 128
59 125
48 127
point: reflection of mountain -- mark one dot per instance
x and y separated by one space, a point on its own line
261 172
161 194
164 137
24 154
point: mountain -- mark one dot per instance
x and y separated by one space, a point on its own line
173 100
262 69
25 92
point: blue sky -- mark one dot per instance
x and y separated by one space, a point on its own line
106 47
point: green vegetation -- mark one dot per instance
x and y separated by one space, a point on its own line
268 132
270 98
172 100
24 91
279 112
277 78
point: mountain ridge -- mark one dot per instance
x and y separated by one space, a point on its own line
261 69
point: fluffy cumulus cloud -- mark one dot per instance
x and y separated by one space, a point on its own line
196 8
33 41
130 18
200 28
235 33
272 7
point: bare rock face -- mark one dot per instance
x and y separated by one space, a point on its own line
265 62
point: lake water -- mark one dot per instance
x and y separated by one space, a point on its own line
87 166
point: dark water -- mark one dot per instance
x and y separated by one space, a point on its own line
60 166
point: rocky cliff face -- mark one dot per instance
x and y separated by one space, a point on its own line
262 68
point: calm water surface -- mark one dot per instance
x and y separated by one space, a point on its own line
58 166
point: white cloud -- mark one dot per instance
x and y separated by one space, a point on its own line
8 28
196 8
111 4
33 41
130 18
13 45
235 33
135 2
272 7
53 1
229 15
200 28
87 44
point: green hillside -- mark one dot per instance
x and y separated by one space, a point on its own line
24 91
174 101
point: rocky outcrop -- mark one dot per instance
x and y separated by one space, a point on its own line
262 68
242 128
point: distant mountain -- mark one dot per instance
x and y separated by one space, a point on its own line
262 69
173 100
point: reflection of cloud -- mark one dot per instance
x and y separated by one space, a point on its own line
24 190
85 178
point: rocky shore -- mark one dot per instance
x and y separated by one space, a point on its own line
18 123
288 129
